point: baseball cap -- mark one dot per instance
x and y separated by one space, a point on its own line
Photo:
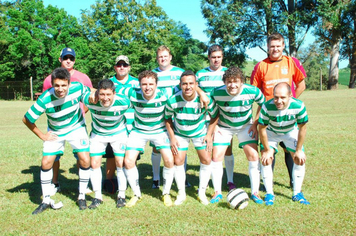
67 51
122 58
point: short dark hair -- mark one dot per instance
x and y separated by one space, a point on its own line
147 73
283 84
215 48
60 73
275 36
106 84
234 72
187 73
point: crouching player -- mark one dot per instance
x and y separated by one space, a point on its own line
189 124
234 101
277 123
108 127
65 123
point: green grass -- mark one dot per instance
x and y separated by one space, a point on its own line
329 185
344 76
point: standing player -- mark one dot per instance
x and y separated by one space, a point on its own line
208 79
168 77
108 126
278 68
67 60
234 101
277 123
189 124
65 123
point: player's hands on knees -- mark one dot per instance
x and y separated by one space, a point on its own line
94 97
299 157
208 140
174 146
49 136
253 132
267 157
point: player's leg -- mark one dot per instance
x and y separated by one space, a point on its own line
168 175
204 174
180 176
110 162
289 163
156 166
96 180
229 167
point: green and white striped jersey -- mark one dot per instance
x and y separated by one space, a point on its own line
107 121
236 111
189 117
283 121
149 114
131 82
169 78
63 114
208 79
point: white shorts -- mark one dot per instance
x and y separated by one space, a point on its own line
184 143
98 144
290 140
223 138
137 141
78 140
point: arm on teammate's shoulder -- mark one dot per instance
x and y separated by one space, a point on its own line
204 99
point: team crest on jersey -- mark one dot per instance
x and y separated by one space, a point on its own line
226 104
84 142
74 101
197 109
158 104
284 70
206 78
122 146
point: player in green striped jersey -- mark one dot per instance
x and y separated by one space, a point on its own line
65 123
208 79
168 77
108 127
283 119
235 100
189 124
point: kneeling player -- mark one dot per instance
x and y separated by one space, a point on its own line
108 127
277 123
65 123
189 124
234 101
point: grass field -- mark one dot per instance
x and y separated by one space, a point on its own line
329 185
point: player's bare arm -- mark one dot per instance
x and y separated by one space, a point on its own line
204 99
49 136
254 125
208 139
300 88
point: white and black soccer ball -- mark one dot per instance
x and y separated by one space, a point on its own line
237 199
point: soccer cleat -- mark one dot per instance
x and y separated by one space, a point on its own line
269 199
180 199
121 202
155 184
300 198
216 198
256 198
42 207
187 184
133 201
231 185
95 203
203 200
82 203
167 200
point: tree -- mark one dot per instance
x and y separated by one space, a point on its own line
246 24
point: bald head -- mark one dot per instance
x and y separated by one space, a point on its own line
281 95
283 86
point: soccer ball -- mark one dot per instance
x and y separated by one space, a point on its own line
237 199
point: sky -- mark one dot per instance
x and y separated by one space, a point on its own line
185 11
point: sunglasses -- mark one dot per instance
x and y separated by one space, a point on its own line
68 57
122 64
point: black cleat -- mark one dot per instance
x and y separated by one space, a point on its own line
82 203
95 203
155 184
187 184
121 202
42 207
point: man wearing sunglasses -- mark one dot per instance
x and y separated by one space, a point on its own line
67 60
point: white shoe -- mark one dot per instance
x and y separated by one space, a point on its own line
203 200
180 199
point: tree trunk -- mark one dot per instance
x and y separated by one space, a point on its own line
352 59
291 29
334 60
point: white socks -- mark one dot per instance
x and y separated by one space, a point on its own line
298 174
179 176
122 182
267 176
254 174
132 178
204 177
96 178
229 167
84 176
216 175
156 164
46 180
168 175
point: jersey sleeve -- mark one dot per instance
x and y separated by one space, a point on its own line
168 111
263 119
302 116
260 98
36 110
212 109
